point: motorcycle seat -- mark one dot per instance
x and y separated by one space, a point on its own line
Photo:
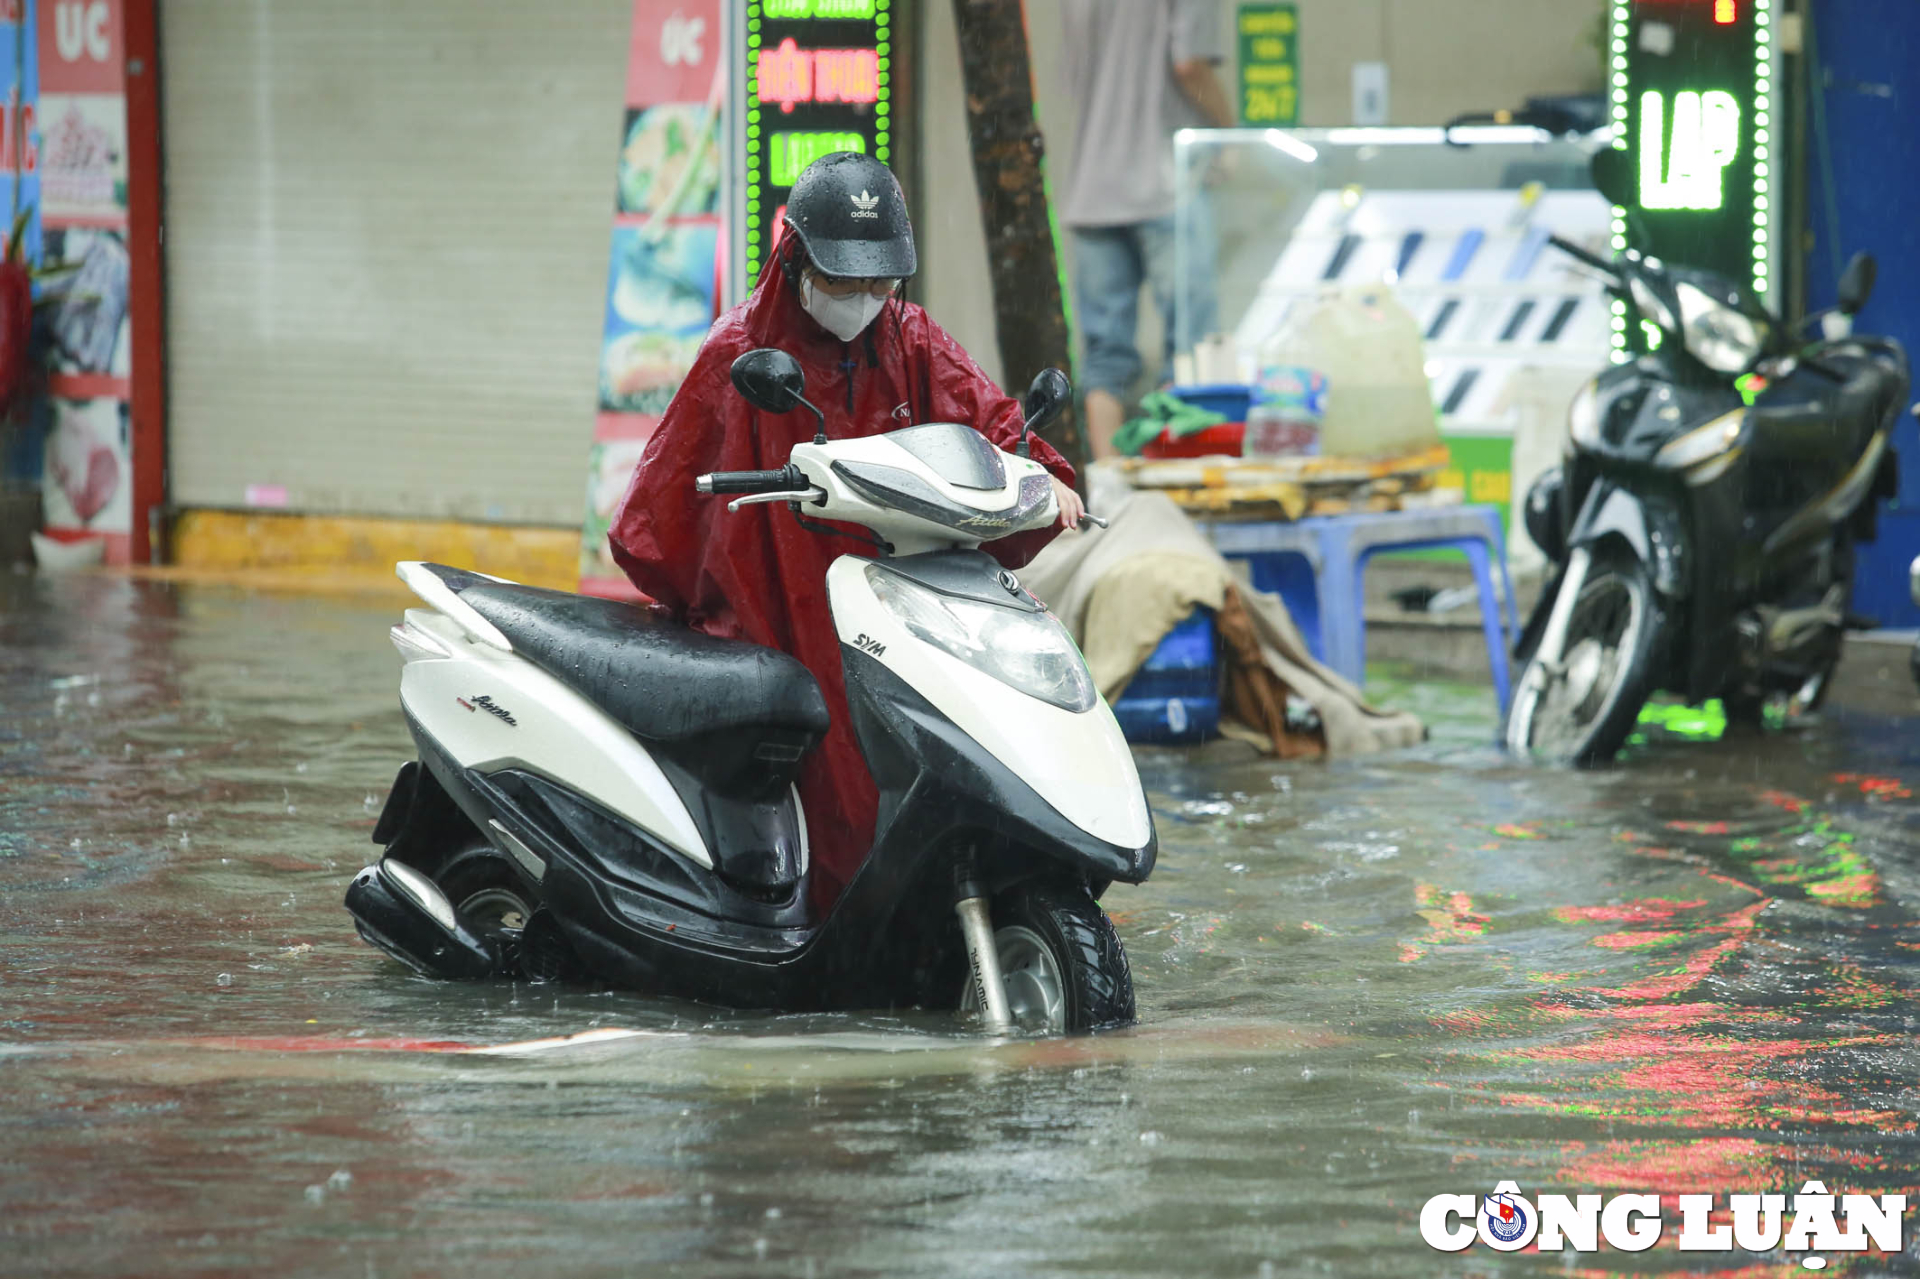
663 682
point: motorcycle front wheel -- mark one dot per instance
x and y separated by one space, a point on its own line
1580 710
1061 962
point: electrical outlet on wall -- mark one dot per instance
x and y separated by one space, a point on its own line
1369 93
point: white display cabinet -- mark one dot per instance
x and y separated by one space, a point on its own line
1457 230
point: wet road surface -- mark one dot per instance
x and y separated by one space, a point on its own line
1360 985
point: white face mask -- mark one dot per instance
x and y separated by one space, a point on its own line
842 317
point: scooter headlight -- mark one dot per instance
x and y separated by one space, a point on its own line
1030 652
1720 337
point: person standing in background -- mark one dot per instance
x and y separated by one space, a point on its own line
1138 70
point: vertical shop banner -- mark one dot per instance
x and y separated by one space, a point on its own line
87 483
1269 44
19 121
662 276
20 450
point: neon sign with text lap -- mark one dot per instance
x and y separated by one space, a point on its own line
1692 101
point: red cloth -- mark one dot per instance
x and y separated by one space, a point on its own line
757 575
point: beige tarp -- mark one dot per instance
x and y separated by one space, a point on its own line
1121 589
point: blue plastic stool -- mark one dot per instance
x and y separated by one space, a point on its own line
1316 566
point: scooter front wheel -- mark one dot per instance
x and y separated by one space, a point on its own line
1579 709
1061 962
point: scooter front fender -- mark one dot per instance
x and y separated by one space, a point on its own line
936 779
1648 527
1611 511
1078 763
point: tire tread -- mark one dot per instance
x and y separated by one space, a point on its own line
1098 979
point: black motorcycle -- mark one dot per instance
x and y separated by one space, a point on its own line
1702 525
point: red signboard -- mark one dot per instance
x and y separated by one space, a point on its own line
674 49
82 47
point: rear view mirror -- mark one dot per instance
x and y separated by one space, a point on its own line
1049 394
1612 174
770 380
1046 397
1856 283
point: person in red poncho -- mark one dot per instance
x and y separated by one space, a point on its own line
873 363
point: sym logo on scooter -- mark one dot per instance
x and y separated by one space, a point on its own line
491 707
867 644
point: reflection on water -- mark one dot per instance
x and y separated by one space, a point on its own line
1360 985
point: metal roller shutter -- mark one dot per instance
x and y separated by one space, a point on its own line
386 249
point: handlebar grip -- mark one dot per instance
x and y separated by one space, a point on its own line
1579 254
748 481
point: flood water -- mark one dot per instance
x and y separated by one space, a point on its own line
1360 985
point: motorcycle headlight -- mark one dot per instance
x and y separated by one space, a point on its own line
1583 417
1720 337
1030 652
1703 443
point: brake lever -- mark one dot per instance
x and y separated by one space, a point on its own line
814 495
1088 517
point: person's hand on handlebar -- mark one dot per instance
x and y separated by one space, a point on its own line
1072 509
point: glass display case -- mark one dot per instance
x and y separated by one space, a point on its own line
1454 223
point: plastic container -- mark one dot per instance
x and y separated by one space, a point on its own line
1175 696
1286 421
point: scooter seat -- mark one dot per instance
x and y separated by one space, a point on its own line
663 682
1808 416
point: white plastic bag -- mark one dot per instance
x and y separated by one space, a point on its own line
1369 349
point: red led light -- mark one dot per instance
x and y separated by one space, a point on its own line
1723 11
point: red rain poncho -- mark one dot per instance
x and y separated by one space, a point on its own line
757 575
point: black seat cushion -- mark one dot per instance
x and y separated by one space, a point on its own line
662 681
1806 416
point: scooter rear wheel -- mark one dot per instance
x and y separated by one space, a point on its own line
1064 969
485 889
488 891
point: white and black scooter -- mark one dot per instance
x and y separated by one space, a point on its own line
601 795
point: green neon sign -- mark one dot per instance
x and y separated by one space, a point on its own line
818 77
789 153
824 10
1691 100
1682 167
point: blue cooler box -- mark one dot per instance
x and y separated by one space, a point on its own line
1175 696
1230 400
